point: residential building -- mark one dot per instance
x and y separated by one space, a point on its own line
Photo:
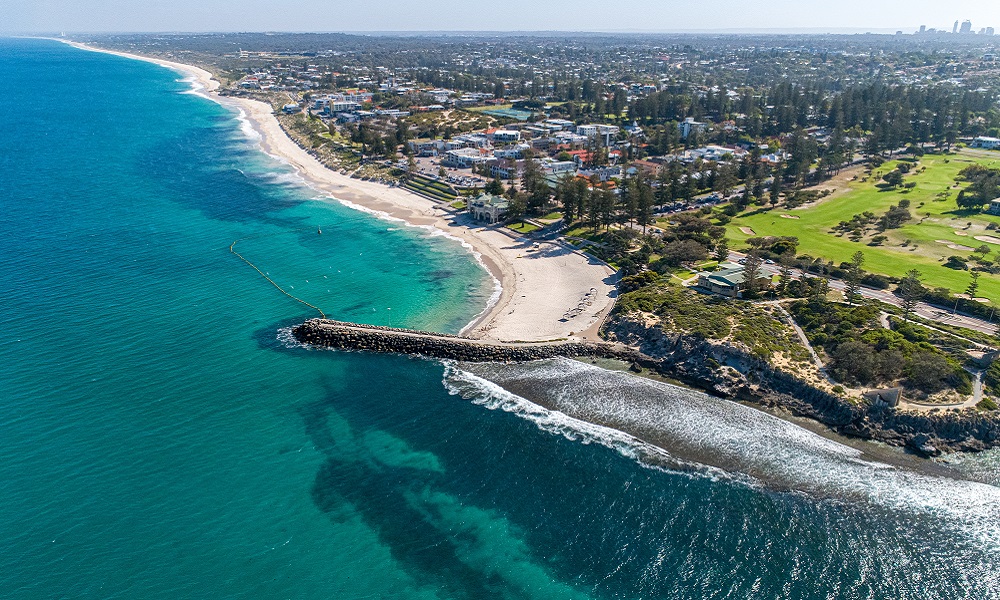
506 136
553 167
689 126
506 168
463 157
560 124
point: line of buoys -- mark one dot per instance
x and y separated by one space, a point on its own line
232 248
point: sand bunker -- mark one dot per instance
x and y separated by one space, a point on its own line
789 216
748 231
961 233
955 246
989 239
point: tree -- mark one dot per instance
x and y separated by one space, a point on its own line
854 362
894 178
517 206
973 285
683 251
751 273
910 291
494 187
929 371
852 283
721 250
644 204
776 184
784 273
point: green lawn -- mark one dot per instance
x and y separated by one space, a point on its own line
523 227
488 107
934 219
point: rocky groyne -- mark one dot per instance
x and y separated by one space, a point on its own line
353 336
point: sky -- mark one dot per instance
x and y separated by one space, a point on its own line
50 16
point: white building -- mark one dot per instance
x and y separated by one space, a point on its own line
506 136
990 143
560 124
514 152
689 126
555 167
463 157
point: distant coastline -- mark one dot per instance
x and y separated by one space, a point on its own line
535 287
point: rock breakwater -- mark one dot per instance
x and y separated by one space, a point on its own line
370 338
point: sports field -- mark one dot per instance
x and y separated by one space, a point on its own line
938 228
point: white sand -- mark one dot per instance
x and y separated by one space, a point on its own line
548 292
954 246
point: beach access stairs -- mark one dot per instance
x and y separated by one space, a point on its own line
432 189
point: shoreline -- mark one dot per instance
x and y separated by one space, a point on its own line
499 253
534 288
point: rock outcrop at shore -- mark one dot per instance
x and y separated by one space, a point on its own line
730 372
721 369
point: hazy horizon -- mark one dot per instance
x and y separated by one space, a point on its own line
440 16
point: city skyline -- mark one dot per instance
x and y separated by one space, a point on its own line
519 15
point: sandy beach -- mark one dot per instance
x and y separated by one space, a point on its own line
548 291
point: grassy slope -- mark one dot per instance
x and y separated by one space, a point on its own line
814 225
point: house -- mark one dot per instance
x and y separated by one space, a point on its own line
559 167
489 208
689 126
603 174
291 109
730 281
994 208
646 166
989 143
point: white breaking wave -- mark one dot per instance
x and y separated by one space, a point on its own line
485 393
695 428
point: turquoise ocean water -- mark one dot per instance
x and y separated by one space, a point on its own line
160 438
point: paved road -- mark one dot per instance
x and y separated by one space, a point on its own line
927 311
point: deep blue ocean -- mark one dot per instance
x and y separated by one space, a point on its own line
160 437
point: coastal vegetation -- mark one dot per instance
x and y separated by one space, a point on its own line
761 329
861 351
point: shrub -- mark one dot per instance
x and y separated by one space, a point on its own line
956 262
